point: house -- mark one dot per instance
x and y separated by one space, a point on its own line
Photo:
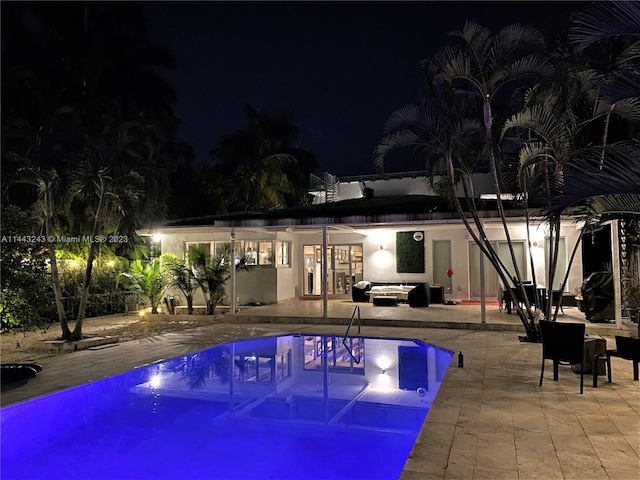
361 224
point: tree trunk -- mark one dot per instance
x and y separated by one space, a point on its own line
487 249
77 331
211 306
55 278
189 304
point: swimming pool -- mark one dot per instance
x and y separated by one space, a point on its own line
282 407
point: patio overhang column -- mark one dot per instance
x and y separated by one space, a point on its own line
325 273
233 303
615 264
483 293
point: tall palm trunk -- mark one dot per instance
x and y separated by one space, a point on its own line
55 278
487 249
189 304
93 249
527 317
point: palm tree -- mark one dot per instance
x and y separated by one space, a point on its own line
95 64
121 187
579 133
35 159
148 280
468 85
212 271
183 277
267 171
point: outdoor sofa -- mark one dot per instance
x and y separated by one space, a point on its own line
415 294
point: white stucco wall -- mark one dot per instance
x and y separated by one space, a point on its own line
379 264
263 284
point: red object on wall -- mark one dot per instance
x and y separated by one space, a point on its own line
449 272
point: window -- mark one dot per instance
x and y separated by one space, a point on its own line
262 368
251 252
265 253
256 252
282 254
210 247
191 245
342 357
283 369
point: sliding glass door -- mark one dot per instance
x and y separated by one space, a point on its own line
343 270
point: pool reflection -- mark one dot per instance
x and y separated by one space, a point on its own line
355 381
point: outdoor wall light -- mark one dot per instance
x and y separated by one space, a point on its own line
384 371
381 247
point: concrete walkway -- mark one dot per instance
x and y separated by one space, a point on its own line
490 419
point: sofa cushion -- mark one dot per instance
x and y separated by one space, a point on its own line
400 291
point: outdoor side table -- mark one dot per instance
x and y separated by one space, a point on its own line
385 301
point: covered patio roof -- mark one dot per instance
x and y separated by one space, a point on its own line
359 211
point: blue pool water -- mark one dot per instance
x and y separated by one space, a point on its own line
285 407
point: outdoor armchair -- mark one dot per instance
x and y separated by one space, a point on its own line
628 349
359 291
562 342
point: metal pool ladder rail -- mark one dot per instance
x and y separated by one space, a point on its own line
344 339
353 315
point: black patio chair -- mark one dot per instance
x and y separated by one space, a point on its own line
419 296
628 349
359 294
562 342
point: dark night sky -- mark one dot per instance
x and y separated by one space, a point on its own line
342 67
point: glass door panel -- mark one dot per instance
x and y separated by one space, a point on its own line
309 270
490 276
344 268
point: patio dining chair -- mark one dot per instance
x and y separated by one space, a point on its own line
562 343
628 349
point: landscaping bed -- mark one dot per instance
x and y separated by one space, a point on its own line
28 346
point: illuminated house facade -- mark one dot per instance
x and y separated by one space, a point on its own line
361 224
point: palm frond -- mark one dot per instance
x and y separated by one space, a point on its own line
539 121
586 176
603 208
404 138
628 109
626 84
279 160
476 38
629 57
410 115
532 67
603 20
514 39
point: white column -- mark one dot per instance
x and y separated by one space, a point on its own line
615 263
483 296
233 307
324 271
